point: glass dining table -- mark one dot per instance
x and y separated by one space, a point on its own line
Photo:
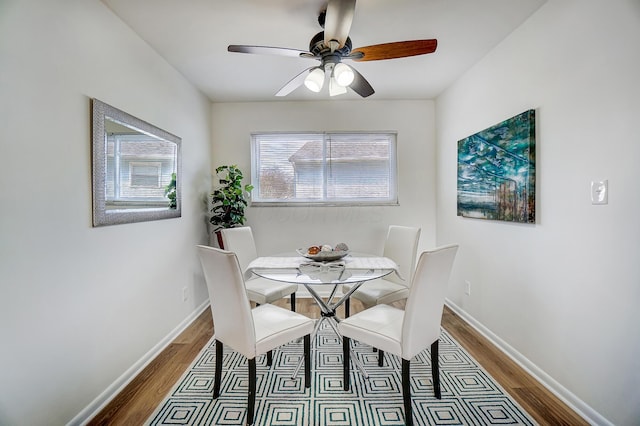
355 269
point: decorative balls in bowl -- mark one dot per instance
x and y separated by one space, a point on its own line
325 252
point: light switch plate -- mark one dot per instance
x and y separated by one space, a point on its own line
600 192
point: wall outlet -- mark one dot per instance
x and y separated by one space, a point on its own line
185 294
467 288
600 192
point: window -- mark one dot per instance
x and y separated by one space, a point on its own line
138 170
324 168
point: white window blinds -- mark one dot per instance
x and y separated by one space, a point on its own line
324 168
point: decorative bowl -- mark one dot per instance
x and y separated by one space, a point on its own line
324 256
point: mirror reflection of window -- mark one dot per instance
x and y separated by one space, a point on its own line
138 169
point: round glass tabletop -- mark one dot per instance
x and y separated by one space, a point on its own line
310 272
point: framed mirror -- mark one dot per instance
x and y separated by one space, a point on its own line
136 169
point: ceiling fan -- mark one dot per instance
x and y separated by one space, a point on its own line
331 47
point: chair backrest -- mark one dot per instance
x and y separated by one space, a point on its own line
232 317
401 246
423 310
240 241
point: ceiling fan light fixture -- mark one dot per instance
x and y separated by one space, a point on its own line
343 74
315 80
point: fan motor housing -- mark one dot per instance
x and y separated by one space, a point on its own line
318 48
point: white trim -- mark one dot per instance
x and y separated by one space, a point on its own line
575 403
91 410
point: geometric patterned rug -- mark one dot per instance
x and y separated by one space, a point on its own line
469 395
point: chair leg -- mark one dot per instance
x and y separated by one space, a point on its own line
218 373
380 358
435 370
293 302
345 362
269 358
347 307
406 392
307 361
251 397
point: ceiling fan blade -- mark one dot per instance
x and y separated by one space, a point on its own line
360 85
398 49
294 83
338 20
268 50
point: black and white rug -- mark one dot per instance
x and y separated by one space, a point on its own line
469 395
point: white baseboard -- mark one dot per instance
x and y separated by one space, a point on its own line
579 406
575 403
116 387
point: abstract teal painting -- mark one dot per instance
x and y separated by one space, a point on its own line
497 169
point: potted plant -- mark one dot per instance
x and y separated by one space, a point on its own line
228 201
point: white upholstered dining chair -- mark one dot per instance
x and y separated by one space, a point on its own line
405 333
260 290
400 246
251 332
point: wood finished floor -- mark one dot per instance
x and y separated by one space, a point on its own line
140 398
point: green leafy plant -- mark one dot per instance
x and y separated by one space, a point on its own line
229 200
170 192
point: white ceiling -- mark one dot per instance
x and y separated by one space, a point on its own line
193 35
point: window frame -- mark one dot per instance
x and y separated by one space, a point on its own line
391 136
122 168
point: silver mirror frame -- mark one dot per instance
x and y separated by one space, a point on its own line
101 216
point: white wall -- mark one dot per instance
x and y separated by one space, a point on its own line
81 305
279 229
564 292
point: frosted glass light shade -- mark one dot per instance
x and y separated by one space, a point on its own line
343 74
315 80
336 89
